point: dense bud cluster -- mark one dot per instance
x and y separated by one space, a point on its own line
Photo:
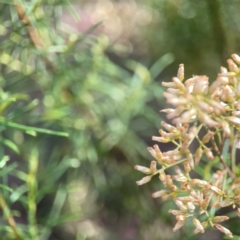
197 107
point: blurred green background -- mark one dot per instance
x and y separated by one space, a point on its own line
93 69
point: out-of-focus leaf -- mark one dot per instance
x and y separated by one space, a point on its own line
10 145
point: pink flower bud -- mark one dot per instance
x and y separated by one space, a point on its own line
160 139
190 206
200 86
144 180
217 190
178 225
198 225
190 160
234 120
226 129
232 66
209 153
169 84
179 84
180 73
143 169
187 167
175 212
223 230
236 58
238 212
153 167
160 193
218 219
181 206
208 136
168 127
181 217
225 203
198 182
198 155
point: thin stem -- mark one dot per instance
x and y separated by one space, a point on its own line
9 218
32 129
32 188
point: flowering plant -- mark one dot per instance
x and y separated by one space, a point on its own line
209 116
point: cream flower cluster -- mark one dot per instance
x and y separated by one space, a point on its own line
198 107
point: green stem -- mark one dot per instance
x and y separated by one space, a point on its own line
9 218
32 129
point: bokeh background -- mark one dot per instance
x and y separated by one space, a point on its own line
95 72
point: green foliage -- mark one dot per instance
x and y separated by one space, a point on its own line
56 84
